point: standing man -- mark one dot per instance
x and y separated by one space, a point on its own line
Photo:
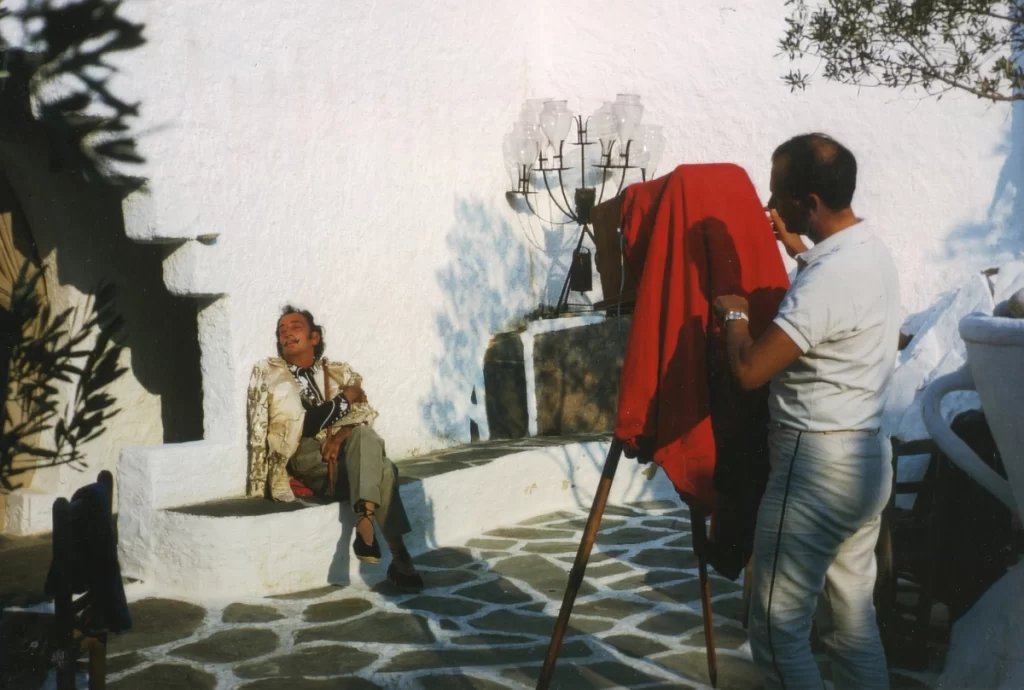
829 356
298 427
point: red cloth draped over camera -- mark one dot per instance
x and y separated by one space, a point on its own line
693 235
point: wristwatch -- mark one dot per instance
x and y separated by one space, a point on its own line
735 316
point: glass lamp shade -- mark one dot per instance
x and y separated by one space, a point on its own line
530 112
645 151
523 145
512 170
555 120
508 149
601 127
628 111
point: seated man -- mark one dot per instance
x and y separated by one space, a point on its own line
306 412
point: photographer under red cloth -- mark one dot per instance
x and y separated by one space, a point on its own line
692 235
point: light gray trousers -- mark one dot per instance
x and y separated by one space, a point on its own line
370 477
814 552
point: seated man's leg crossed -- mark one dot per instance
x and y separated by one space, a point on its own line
369 480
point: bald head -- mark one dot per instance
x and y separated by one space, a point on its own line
817 164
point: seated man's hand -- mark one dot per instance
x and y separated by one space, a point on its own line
331 447
354 393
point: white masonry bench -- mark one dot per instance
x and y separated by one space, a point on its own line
185 526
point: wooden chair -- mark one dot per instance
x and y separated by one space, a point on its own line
908 546
72 616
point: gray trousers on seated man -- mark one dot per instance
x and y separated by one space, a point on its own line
364 474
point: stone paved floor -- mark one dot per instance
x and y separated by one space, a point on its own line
483 623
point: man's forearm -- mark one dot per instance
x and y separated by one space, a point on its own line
738 345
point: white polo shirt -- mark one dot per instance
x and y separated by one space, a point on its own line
843 311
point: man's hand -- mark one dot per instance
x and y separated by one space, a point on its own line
354 393
727 303
792 242
331 447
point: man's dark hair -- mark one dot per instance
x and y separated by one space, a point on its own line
818 164
314 327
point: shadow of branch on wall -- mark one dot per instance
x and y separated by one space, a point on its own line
1000 236
488 284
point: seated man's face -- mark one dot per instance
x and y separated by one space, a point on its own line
296 339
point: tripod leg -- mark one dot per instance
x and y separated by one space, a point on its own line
580 565
700 546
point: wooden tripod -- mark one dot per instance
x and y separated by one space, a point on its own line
579 566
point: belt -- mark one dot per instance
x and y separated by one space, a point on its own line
784 427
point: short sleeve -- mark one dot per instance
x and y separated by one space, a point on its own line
808 313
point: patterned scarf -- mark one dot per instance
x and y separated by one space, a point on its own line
308 388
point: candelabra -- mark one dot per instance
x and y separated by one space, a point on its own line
535 152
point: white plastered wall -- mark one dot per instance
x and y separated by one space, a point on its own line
80 238
348 157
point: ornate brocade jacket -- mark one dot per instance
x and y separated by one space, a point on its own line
276 415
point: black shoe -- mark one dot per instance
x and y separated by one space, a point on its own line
412 583
367 553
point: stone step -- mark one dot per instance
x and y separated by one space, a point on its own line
231 546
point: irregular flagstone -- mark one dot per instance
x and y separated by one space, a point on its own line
608 570
515 622
652 578
499 591
307 593
449 624
669 524
734 673
620 511
442 605
229 646
490 640
435 579
685 592
445 558
580 523
552 547
677 559
166 677
157 622
580 676
728 607
248 613
635 646
450 657
611 608
310 684
672 623
459 682
322 660
529 533
656 505
684 542
391 628
537 607
340 609
548 517
629 536
595 556
124 662
726 636
491 543
540 574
